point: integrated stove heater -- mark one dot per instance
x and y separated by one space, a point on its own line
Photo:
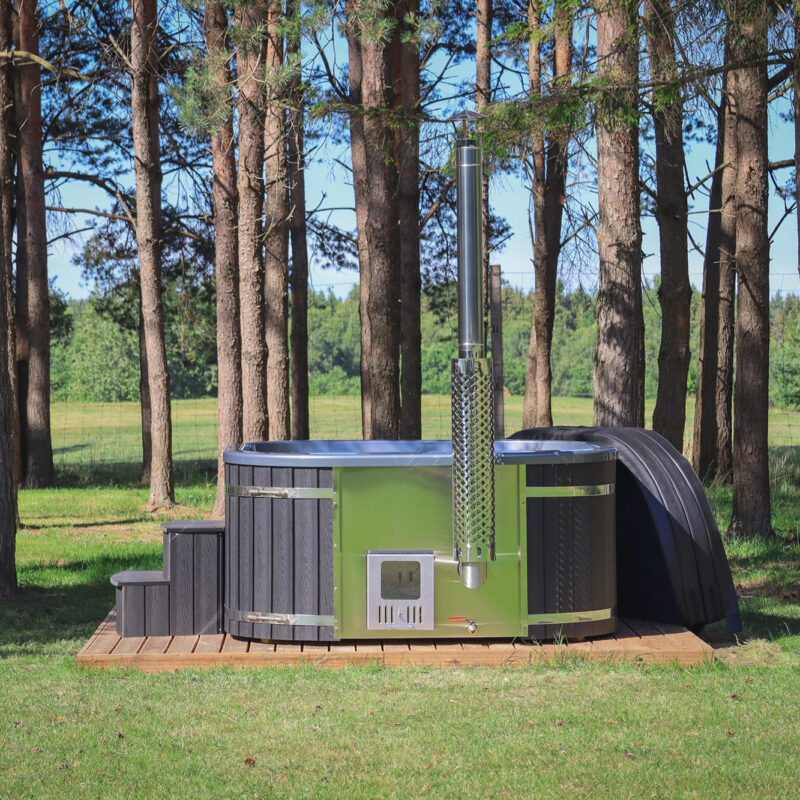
471 386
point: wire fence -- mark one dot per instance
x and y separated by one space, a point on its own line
102 442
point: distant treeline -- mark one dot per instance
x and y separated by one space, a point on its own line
96 360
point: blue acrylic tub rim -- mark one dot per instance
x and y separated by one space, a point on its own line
427 452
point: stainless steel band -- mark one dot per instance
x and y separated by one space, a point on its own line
571 616
281 493
320 620
569 491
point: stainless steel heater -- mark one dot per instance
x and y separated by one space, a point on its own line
471 386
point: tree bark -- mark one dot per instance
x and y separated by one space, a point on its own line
751 499
250 183
375 187
147 165
674 291
38 448
796 116
483 97
297 234
711 440
407 89
548 189
226 265
8 495
276 217
7 228
617 366
144 404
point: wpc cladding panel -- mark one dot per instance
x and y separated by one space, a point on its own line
279 553
570 544
193 566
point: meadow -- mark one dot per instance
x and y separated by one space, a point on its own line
727 729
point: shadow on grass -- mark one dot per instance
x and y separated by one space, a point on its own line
43 613
129 473
73 448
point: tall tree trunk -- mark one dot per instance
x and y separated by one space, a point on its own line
147 164
8 505
549 188
531 405
250 182
38 449
617 365
375 187
483 96
145 410
796 115
751 500
711 441
406 70
9 432
21 305
297 233
7 227
229 345
276 218
675 291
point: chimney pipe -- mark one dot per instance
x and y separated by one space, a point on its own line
471 385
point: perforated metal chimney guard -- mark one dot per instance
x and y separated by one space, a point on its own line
473 467
471 386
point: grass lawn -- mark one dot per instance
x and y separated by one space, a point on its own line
725 730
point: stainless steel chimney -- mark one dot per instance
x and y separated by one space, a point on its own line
471 385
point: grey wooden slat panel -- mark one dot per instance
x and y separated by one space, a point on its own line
535 534
306 555
206 583
262 552
232 549
600 563
550 559
564 594
282 554
181 605
156 610
325 478
133 614
245 577
166 548
326 580
220 582
119 608
582 553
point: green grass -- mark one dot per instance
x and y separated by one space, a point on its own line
100 443
726 730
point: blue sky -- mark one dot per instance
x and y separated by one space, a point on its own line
328 185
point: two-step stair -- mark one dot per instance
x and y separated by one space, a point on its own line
186 596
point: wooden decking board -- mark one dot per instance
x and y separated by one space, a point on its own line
182 644
634 640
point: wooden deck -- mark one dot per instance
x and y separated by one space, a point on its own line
635 640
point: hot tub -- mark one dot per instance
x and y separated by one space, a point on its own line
330 540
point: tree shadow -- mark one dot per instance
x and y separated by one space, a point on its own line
42 615
756 625
115 474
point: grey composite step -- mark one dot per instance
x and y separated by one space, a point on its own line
185 597
193 565
142 603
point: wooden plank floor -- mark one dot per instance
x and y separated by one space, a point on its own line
635 640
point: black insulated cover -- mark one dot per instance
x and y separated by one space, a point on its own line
671 564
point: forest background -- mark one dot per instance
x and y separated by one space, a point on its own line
95 356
